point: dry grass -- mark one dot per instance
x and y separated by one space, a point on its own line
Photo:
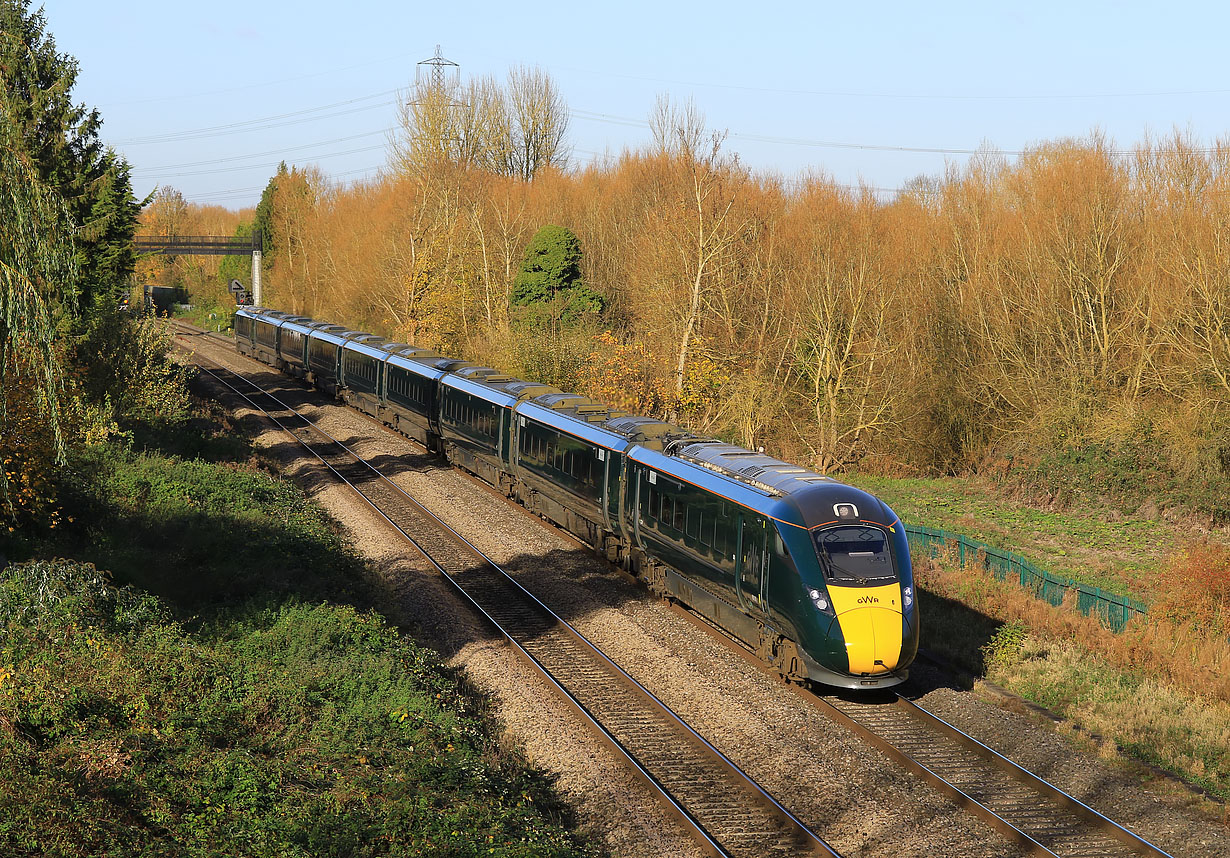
1159 690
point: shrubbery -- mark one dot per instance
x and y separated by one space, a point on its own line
301 730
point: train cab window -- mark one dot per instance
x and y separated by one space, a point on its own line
779 547
855 554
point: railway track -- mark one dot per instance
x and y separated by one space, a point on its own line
1038 817
723 808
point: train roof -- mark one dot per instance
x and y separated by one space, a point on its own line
756 469
683 471
334 334
476 387
368 345
567 420
302 324
425 364
787 497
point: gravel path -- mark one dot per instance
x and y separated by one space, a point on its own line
849 794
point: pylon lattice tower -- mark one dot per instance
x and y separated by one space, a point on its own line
437 72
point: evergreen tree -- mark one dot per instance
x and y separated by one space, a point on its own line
60 141
549 282
264 215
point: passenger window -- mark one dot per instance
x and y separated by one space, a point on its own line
680 509
694 517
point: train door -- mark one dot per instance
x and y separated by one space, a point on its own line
753 568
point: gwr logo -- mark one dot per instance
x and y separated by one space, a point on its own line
868 600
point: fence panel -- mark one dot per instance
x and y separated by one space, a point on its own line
1114 610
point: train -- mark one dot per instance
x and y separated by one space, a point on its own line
810 574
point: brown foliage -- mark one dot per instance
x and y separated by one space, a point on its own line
1172 647
1005 308
1194 589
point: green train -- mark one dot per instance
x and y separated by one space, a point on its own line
811 574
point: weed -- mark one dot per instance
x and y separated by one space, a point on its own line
1004 648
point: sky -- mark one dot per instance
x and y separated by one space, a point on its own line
208 98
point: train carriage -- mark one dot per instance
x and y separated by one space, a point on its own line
324 357
265 336
411 390
476 421
292 344
256 332
570 464
362 372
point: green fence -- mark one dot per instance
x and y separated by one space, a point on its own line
1115 610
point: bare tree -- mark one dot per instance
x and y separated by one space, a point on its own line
540 121
677 129
514 131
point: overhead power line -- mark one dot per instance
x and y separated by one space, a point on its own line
910 96
262 123
279 152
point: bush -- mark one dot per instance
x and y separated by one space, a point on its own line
124 374
1194 590
302 730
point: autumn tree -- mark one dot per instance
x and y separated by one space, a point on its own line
696 221
514 130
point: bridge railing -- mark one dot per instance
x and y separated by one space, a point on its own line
1114 609
198 244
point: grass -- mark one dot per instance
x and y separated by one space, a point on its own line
1145 716
226 687
1096 545
208 317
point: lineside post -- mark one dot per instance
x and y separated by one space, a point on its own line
256 279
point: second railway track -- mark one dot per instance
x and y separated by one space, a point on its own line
726 810
1038 818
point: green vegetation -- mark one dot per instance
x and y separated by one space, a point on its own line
59 143
210 315
1094 544
226 689
550 274
552 309
1145 716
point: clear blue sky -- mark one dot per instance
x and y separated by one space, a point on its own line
208 97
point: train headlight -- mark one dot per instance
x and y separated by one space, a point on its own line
818 598
908 597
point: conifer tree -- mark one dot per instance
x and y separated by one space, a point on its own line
59 141
550 282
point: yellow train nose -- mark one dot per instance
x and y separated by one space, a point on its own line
870 619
